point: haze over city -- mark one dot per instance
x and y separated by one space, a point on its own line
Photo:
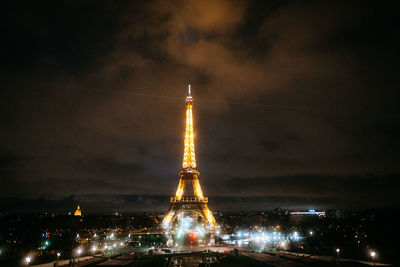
296 102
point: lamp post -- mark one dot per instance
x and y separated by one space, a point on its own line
337 256
28 260
58 257
373 254
78 253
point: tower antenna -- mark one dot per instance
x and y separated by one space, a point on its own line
189 90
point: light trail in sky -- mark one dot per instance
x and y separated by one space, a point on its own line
181 99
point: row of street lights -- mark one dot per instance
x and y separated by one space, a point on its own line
28 259
372 254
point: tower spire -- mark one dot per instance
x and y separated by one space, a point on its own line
189 158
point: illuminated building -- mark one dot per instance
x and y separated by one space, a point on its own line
78 211
194 204
309 212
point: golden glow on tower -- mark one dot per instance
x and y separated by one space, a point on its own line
197 189
168 217
180 190
78 211
195 202
209 216
189 158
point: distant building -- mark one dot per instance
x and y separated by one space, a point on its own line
310 212
78 211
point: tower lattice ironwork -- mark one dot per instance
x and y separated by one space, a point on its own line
182 202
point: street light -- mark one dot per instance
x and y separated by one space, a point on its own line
28 260
78 252
337 255
58 257
373 254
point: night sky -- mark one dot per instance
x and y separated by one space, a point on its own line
296 102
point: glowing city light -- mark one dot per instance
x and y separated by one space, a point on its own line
28 260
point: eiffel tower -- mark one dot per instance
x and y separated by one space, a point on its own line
196 203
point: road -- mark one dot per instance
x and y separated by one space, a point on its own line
189 249
190 261
326 258
121 260
193 261
272 260
276 258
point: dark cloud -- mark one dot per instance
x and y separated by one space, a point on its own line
349 188
111 166
92 97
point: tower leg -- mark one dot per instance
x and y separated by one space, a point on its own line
170 241
212 239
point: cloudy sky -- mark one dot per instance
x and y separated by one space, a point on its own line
296 102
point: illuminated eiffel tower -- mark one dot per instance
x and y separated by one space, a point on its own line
181 203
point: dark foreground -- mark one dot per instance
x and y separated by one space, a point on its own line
204 258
